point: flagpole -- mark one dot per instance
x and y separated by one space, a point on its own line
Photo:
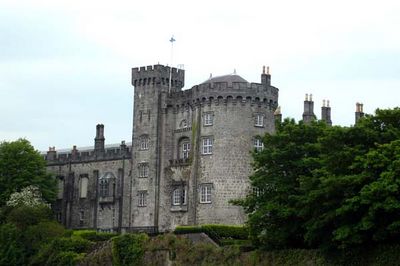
170 69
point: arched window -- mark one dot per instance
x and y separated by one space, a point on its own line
144 143
179 197
83 186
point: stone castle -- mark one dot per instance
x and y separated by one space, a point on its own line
190 155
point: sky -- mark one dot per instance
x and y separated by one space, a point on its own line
65 65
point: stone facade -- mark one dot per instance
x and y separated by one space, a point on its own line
190 155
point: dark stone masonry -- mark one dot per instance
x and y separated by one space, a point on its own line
189 155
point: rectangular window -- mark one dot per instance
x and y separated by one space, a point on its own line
207 146
179 197
208 119
259 120
103 188
142 198
84 180
205 193
144 143
258 144
143 170
185 150
81 217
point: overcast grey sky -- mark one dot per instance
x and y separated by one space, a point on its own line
65 65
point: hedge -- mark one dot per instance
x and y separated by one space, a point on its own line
93 235
220 231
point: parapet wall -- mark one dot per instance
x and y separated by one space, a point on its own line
76 156
158 74
222 92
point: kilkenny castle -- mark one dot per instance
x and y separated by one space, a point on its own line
190 155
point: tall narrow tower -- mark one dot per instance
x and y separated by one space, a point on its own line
152 86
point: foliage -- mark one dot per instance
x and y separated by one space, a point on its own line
329 187
11 249
24 216
22 166
93 235
62 250
29 196
128 249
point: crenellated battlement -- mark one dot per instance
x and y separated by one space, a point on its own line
87 154
158 75
223 92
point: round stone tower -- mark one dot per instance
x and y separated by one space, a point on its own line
191 148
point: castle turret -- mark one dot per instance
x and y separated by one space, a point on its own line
278 115
326 112
308 114
359 111
158 75
266 77
99 139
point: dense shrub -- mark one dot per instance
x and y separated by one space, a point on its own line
37 235
52 252
11 250
128 249
24 216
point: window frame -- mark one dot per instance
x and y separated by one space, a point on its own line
142 198
104 189
208 119
259 120
143 170
207 144
144 143
256 144
185 149
206 193
179 196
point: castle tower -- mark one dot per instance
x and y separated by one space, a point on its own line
151 89
326 112
359 111
308 114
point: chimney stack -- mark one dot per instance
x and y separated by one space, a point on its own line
99 140
265 77
359 111
308 114
326 113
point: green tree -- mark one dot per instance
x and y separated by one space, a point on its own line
322 186
21 166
